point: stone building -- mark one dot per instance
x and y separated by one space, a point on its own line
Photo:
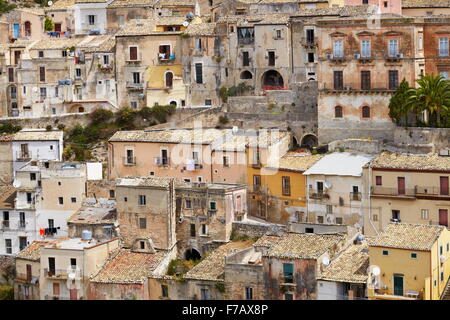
406 188
292 264
146 212
421 8
359 69
119 12
205 213
433 42
62 14
21 24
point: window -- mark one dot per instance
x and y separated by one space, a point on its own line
365 1
442 276
142 223
329 208
338 112
245 35
365 80
393 79
60 200
245 59
91 19
22 243
198 43
73 199
448 246
385 253
204 293
271 55
365 112
41 54
125 199
56 91
192 230
8 246
288 296
256 180
22 219
393 48
385 3
248 293
310 36
11 74
112 194
226 161
136 77
105 59
142 200
77 73
319 219
286 186
29 272
396 215
231 29
29 197
51 223
413 255
32 176
199 73
374 217
13 92
133 53
338 77
164 291
310 57
338 48
365 48
142 244
188 203
378 180
441 250
73 263
444 74
121 19
339 220
288 272
208 102
204 229
212 205
424 214
42 74
443 47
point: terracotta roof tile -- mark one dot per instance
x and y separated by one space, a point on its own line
416 162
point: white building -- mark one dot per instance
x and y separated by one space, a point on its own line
334 189
90 16
38 145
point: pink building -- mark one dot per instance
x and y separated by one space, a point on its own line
385 6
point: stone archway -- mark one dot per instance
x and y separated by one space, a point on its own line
76 108
309 141
272 80
192 254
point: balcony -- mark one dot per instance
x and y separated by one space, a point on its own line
394 56
62 273
309 43
129 161
356 87
286 279
105 67
23 155
165 57
393 192
336 58
246 40
320 195
21 225
363 58
355 196
162 162
131 85
192 165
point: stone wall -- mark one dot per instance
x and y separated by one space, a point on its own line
257 230
437 137
69 120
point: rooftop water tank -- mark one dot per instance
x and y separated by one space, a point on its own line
86 235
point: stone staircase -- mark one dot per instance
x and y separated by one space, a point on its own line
446 293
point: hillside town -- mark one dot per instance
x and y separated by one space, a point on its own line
224 150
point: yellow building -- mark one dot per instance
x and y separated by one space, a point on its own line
279 189
412 260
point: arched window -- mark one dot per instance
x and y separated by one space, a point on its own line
168 79
173 103
366 112
27 28
338 112
80 109
246 75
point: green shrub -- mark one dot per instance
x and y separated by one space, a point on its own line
161 113
6 7
125 117
8 127
48 24
6 293
61 126
101 115
223 120
220 286
49 127
146 112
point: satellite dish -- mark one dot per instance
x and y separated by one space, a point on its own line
325 261
49 3
327 185
190 15
17 184
34 89
185 23
376 270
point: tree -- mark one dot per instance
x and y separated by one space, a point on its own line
6 7
399 107
432 95
48 24
101 116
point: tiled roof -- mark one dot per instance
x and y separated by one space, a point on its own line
350 266
163 3
131 3
201 29
416 162
91 1
212 266
128 267
60 5
266 241
407 236
33 252
33 10
38 135
425 3
239 140
298 161
304 245
274 18
201 136
95 213
7 196
58 43
100 43
146 182
135 27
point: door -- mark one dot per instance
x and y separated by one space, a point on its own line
444 186
16 57
401 185
73 294
169 79
443 217
55 289
16 30
58 27
398 284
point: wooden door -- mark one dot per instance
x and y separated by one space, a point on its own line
398 285
401 185
444 186
73 294
443 217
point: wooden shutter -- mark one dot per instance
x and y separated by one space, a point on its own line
133 53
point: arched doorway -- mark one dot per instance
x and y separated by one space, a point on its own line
309 141
272 80
192 254
169 79
27 28
246 75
